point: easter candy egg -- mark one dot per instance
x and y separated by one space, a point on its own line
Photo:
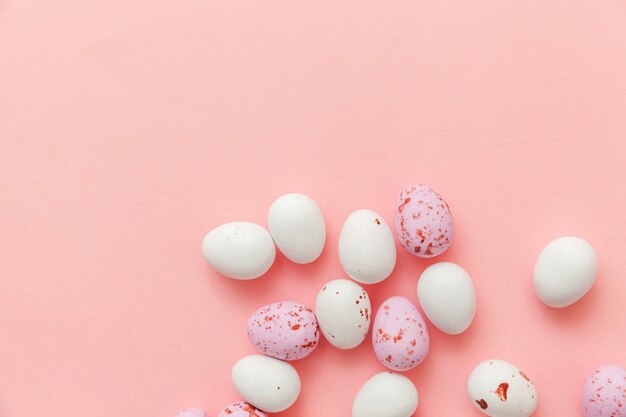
446 293
191 412
241 409
268 384
500 389
239 250
297 226
565 271
386 395
343 311
604 392
367 250
284 330
423 221
400 335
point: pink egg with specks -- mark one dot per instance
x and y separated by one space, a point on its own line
284 330
241 409
400 336
604 392
423 221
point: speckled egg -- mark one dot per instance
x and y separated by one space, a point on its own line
241 409
284 330
400 335
343 310
499 389
423 221
191 412
604 392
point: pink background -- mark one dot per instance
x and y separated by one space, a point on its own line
129 128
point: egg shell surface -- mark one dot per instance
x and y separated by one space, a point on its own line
499 389
297 226
423 221
446 294
604 392
565 270
241 409
400 335
268 384
367 249
386 394
239 250
343 311
286 330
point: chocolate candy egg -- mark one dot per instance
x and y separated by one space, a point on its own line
239 250
297 226
423 221
400 335
191 412
343 310
565 271
386 395
367 250
269 384
285 330
604 392
241 409
500 389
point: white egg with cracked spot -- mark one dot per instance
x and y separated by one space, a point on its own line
297 225
565 270
239 250
499 389
446 294
367 249
268 384
343 312
386 394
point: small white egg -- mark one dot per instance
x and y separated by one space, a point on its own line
239 250
343 312
499 389
565 271
367 249
268 384
386 394
297 226
446 294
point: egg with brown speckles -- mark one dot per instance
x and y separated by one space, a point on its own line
604 392
423 221
284 330
499 389
399 335
241 409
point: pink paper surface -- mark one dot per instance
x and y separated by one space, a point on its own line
129 128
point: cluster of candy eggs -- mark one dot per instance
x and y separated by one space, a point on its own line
287 331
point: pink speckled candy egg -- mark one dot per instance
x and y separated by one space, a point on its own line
400 335
423 221
285 330
604 392
191 412
241 409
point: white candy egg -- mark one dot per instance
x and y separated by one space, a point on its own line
239 250
446 293
500 389
386 394
297 226
565 271
367 250
268 384
343 312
